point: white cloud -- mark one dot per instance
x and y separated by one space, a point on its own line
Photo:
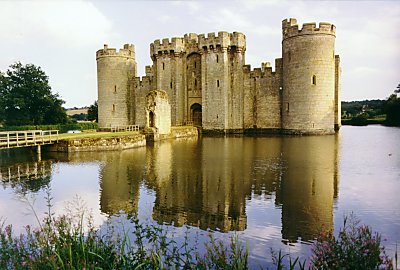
59 36
75 23
258 4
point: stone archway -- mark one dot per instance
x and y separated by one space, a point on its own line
196 114
151 119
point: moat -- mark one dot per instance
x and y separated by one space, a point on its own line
276 192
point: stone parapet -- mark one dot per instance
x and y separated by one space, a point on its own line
99 144
167 46
127 51
290 28
223 39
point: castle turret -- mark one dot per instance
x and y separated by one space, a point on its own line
308 98
222 59
116 71
168 63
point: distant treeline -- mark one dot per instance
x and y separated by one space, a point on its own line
373 107
374 111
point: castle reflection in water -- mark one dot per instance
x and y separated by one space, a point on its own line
207 182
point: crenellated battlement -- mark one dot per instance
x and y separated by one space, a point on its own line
149 70
265 70
127 51
222 39
191 38
143 82
166 46
290 28
238 40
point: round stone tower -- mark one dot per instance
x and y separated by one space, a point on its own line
308 97
115 75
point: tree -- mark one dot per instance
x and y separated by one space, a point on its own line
93 112
392 109
397 91
26 98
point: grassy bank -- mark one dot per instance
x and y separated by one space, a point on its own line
363 122
94 134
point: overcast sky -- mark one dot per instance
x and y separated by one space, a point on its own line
62 37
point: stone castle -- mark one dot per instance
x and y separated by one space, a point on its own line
204 80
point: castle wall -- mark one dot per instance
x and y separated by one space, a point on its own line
308 78
262 102
158 112
115 74
142 87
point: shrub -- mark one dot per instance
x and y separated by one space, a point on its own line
356 247
62 128
359 120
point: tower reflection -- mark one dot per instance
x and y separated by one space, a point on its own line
308 186
120 181
207 182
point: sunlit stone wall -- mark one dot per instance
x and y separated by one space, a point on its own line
158 112
308 101
115 74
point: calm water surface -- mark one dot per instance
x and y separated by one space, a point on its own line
276 192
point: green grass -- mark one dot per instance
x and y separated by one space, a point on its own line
369 121
181 127
70 136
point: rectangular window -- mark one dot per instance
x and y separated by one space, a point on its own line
115 89
113 108
287 107
314 80
217 58
170 85
163 66
217 83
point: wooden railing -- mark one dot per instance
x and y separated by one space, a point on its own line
125 128
184 123
12 139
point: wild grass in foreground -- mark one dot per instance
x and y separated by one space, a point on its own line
65 243
72 242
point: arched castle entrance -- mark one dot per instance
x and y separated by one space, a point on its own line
193 86
196 114
151 119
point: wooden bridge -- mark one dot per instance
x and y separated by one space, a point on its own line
26 138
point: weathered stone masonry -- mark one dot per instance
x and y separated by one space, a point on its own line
207 82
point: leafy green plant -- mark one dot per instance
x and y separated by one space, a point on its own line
355 247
